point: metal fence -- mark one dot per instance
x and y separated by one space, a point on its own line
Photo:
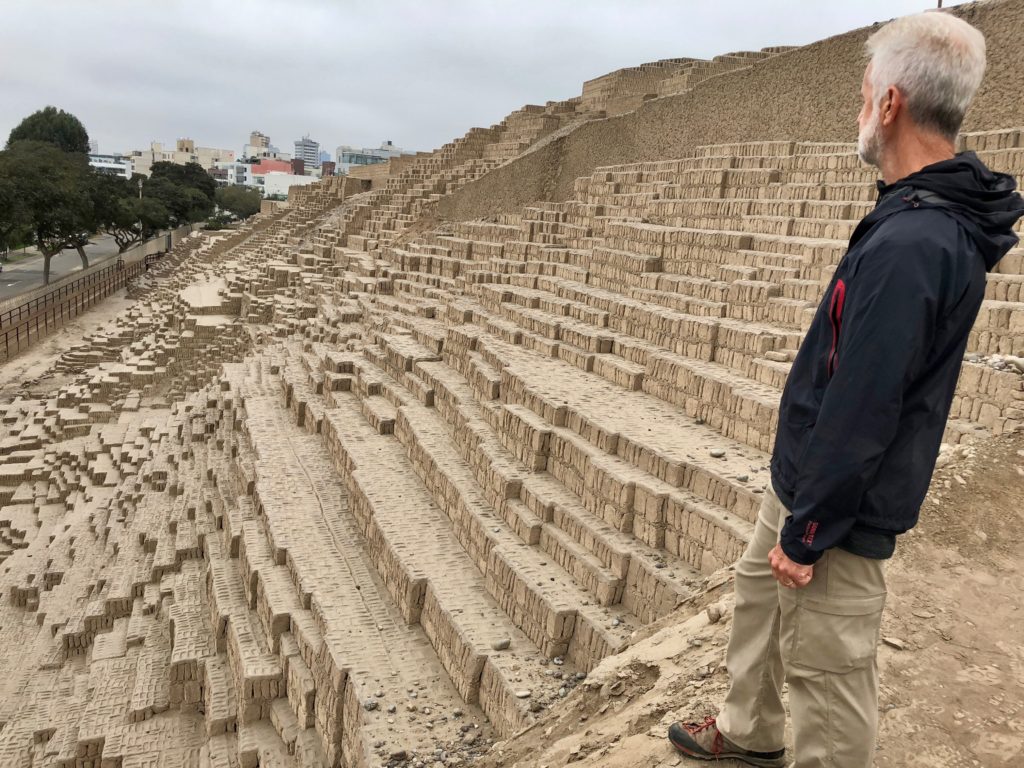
39 312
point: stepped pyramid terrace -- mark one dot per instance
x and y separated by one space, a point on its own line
362 483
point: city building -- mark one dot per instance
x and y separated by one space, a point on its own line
185 151
327 168
351 156
276 183
233 173
258 139
298 166
116 165
268 165
94 147
308 151
259 146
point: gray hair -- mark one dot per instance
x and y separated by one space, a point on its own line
936 60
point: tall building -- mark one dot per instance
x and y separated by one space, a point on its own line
94 147
352 156
185 151
308 151
259 146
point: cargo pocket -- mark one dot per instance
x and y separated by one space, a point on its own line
836 635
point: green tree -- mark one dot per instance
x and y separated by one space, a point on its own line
54 126
54 190
186 191
243 202
121 213
13 217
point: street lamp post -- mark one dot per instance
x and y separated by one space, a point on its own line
120 261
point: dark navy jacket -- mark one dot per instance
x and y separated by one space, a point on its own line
865 406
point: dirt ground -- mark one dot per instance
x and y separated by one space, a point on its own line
952 660
30 370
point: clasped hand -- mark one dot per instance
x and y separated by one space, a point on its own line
788 573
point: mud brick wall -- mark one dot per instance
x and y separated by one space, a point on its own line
812 92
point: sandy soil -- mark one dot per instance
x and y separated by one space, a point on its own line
30 370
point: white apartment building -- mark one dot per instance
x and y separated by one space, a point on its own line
116 165
235 173
277 183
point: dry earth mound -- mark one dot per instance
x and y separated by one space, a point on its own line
811 93
353 487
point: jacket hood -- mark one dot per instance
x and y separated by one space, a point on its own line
984 201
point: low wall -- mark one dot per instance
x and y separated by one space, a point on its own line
271 206
372 173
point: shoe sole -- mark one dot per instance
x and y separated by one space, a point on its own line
759 762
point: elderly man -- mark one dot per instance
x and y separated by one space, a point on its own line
863 413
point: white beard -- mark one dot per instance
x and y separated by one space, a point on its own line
869 144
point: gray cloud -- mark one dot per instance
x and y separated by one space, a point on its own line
417 72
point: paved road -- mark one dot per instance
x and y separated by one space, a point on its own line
28 274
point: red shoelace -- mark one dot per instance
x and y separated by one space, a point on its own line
697 728
717 744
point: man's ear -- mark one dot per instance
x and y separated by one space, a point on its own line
891 104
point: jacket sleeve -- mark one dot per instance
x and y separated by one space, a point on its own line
888 324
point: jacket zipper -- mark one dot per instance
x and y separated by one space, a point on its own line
835 315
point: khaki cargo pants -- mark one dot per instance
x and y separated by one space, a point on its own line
823 638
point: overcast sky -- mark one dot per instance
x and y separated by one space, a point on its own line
417 72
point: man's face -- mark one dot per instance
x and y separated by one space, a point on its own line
869 140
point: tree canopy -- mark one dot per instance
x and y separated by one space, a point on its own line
53 126
123 215
51 197
241 201
14 231
186 191
53 190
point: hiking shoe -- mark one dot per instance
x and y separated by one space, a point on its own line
705 742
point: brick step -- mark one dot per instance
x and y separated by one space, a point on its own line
365 634
432 579
808 255
584 636
631 425
1004 287
623 569
468 496
635 329
238 634
740 408
997 329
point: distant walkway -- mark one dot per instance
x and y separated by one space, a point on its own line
26 274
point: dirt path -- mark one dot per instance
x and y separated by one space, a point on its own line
955 696
33 364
